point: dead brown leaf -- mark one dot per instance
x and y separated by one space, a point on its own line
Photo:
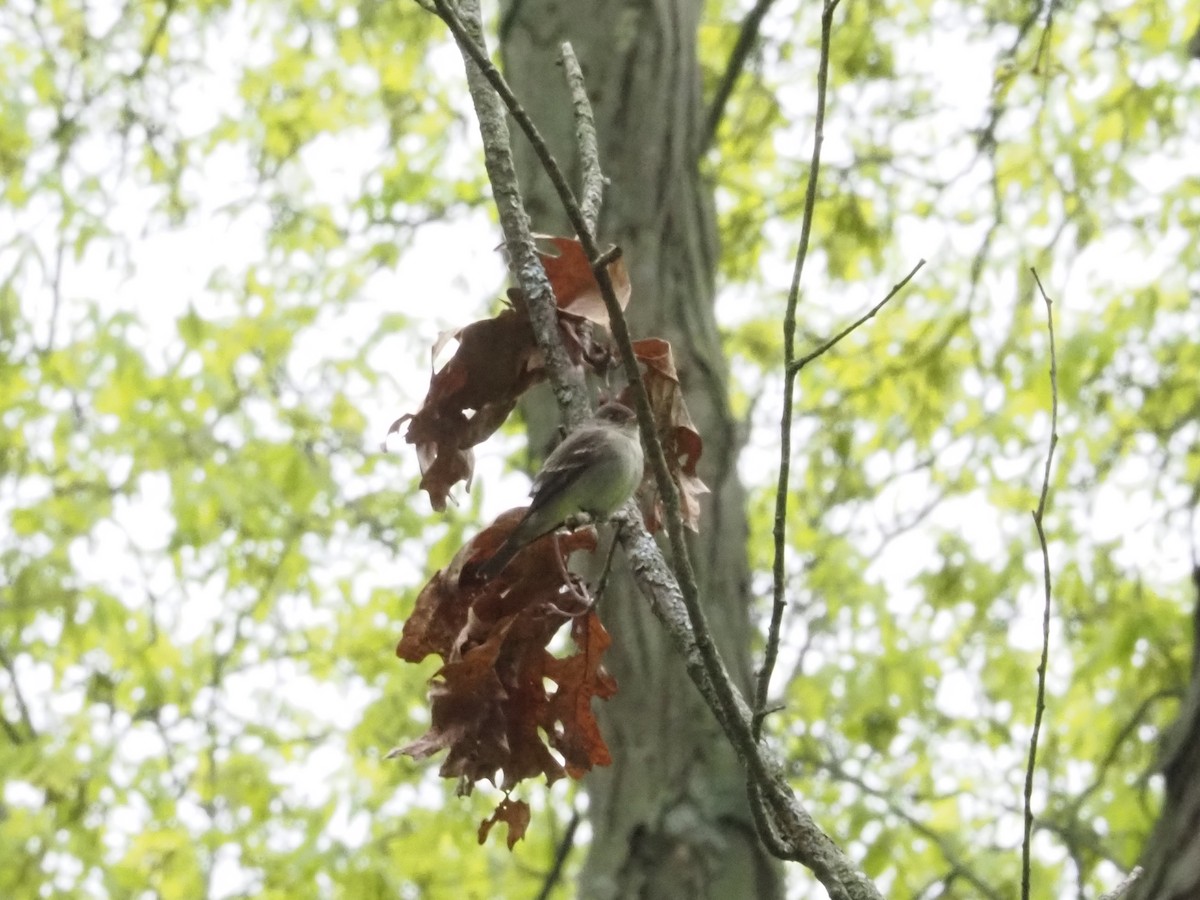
490 708
682 443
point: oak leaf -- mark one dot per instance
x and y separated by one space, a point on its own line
491 709
514 814
681 442
496 361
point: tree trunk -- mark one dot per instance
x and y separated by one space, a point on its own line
670 817
1171 859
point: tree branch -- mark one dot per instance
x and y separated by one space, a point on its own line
792 369
674 597
747 38
585 138
473 50
853 326
1038 521
6 663
560 857
789 379
1124 887
524 263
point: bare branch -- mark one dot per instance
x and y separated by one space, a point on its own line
782 491
560 857
853 326
1124 887
747 38
789 380
523 259
1038 521
470 43
160 28
6 663
585 138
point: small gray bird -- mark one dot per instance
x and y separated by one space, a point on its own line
595 470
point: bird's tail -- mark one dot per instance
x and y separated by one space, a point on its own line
495 564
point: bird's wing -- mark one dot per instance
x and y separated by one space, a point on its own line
562 467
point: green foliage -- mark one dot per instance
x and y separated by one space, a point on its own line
921 439
203 557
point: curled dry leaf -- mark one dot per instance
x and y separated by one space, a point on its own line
681 442
575 287
489 702
497 360
579 678
514 814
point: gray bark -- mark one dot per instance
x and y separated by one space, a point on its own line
670 817
1171 858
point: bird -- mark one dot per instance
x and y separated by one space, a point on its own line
594 471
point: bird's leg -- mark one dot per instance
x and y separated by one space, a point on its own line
571 582
578 520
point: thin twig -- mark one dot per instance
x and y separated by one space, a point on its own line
470 43
606 570
779 604
789 379
160 28
1124 887
1044 41
572 588
762 821
585 138
1196 611
60 252
611 255
22 708
1038 521
870 314
9 729
560 857
590 176
747 38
